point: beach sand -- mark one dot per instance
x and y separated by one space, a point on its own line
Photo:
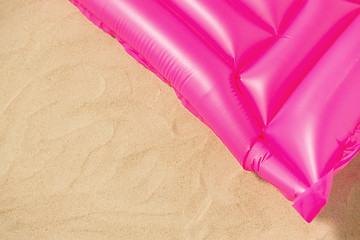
95 146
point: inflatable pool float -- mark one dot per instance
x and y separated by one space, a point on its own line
278 81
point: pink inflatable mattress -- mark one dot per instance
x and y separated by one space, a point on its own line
278 81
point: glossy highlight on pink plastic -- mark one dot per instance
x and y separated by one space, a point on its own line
278 81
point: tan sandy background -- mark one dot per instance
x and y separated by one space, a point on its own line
95 146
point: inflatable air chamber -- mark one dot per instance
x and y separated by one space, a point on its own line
278 81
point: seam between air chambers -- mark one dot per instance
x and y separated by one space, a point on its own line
255 19
356 14
276 36
227 59
295 7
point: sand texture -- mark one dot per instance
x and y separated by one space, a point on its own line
95 146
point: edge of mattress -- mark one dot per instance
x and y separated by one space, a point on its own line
319 191
136 55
